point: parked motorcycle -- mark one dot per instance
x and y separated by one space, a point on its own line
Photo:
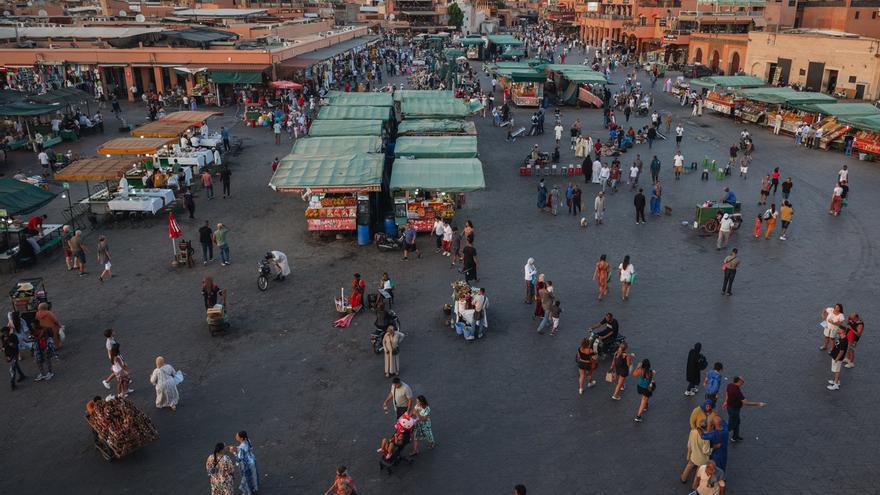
385 242
379 333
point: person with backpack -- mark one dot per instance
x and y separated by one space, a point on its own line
712 383
696 363
646 386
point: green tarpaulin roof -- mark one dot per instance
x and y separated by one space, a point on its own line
504 39
355 172
436 147
354 113
513 52
341 98
435 127
437 174
866 122
22 109
523 75
324 128
433 107
327 146
65 96
728 82
454 53
21 198
230 77
470 41
403 94
840 109
785 95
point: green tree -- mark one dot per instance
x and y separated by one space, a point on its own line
456 16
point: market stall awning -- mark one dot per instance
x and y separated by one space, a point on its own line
436 147
434 108
333 112
341 98
325 128
404 94
159 129
96 169
311 58
61 96
133 146
21 198
453 53
865 122
437 174
728 82
328 146
840 109
23 109
785 95
436 127
189 116
344 173
513 52
523 75
504 39
236 77
470 41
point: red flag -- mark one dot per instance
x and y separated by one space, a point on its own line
173 229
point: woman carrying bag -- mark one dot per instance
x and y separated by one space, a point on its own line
391 344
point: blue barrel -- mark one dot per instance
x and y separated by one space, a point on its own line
363 235
390 226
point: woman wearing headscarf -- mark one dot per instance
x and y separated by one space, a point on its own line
221 472
391 350
698 450
247 464
693 369
166 385
531 276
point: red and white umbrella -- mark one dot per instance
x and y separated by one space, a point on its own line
173 229
173 232
285 85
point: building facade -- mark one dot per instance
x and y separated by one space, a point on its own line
846 63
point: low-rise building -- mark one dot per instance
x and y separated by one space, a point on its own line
818 60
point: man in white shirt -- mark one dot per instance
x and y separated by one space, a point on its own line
217 159
633 175
531 274
438 234
678 164
204 129
679 134
447 239
44 162
709 480
843 174
724 232
184 142
194 141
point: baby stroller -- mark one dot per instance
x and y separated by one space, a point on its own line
391 451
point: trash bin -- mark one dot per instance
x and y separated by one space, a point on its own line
390 225
363 235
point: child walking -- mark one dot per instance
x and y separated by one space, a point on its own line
757 229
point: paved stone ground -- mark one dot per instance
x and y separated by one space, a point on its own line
505 409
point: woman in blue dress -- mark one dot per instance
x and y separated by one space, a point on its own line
655 198
247 464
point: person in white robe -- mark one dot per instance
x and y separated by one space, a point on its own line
165 379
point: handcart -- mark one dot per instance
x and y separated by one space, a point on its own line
26 296
119 428
216 316
707 218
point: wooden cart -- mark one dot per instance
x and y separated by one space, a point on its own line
708 216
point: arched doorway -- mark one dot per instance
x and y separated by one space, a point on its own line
734 63
698 56
715 58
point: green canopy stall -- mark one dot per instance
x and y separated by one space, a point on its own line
436 147
330 146
433 108
336 185
425 188
728 82
436 127
21 198
354 113
325 128
405 94
785 96
341 98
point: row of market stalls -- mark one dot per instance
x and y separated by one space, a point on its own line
27 119
748 99
139 173
527 80
383 159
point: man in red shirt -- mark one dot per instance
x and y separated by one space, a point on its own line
35 224
734 402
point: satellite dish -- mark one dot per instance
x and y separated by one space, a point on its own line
42 13
6 13
123 13
140 18
30 4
